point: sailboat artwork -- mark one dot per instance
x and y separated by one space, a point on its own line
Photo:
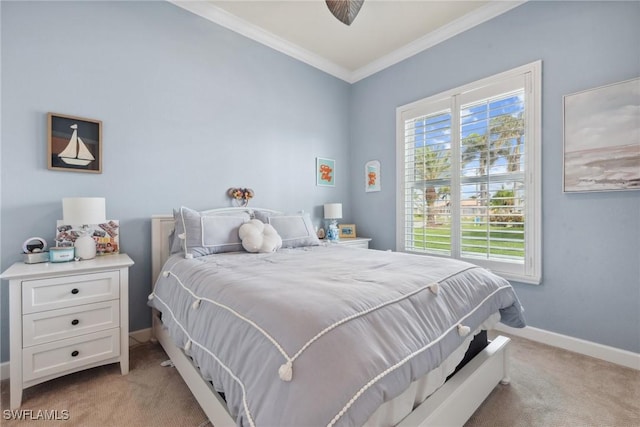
76 152
75 143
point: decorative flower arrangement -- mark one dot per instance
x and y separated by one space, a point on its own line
241 195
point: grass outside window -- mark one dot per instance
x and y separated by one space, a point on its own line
476 239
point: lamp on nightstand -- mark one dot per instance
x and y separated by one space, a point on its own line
84 211
332 212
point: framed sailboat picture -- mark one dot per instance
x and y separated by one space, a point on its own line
74 143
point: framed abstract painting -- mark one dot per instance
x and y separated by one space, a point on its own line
602 138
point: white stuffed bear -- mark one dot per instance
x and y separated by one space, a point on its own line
257 236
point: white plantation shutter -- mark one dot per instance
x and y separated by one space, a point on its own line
492 187
468 167
427 154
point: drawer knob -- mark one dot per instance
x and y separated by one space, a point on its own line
75 353
74 291
75 322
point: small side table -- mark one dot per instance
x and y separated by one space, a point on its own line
67 317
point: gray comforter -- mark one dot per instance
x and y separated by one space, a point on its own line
320 335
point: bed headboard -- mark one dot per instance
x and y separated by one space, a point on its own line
162 226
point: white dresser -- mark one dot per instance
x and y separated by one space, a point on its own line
66 317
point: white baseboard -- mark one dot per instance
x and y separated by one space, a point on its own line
625 358
588 348
4 370
140 336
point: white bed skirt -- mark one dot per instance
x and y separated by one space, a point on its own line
392 412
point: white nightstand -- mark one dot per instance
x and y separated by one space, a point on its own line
67 317
357 242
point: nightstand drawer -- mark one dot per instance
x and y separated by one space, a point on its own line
60 356
47 326
353 242
59 292
364 244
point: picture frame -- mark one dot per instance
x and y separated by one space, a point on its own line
372 176
74 143
602 139
347 231
325 172
106 235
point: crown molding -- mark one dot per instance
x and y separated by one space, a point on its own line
225 19
464 23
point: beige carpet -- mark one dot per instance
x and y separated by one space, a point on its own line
150 395
553 387
549 387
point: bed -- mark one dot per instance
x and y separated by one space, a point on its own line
314 334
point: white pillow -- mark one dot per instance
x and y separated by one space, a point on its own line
257 236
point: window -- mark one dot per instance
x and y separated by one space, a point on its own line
469 174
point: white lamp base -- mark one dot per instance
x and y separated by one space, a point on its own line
333 234
85 247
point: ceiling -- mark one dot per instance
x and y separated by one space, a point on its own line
383 33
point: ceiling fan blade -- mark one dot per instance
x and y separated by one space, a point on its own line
345 10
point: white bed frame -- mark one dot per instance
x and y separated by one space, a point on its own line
451 405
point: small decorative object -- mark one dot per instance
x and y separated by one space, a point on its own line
62 254
321 234
347 231
325 172
241 195
332 212
84 226
602 138
372 176
345 10
74 143
257 236
34 250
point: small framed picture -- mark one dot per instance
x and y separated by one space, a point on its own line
372 176
325 172
74 143
347 231
106 235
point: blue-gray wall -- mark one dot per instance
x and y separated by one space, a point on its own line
591 241
190 109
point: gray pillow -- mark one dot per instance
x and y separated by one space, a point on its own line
295 230
206 233
175 244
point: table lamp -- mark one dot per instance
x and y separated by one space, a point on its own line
84 211
332 212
